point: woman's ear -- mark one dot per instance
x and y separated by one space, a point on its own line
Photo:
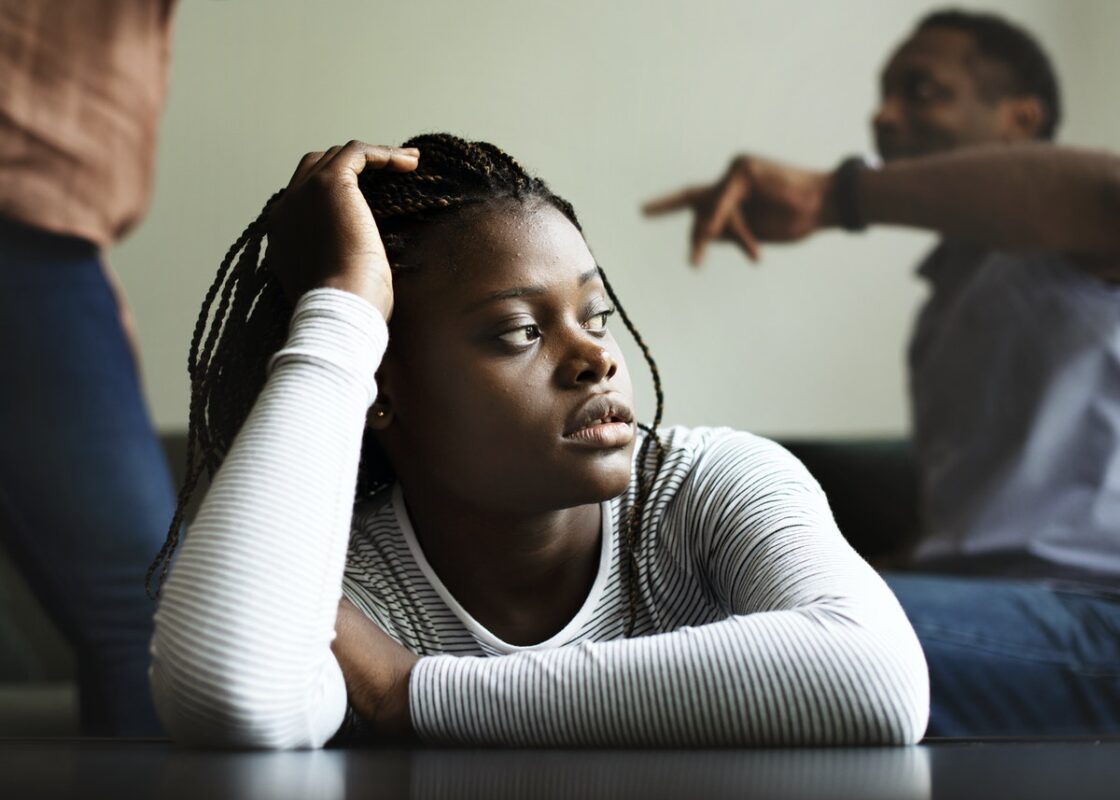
380 414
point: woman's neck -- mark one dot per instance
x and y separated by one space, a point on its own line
522 576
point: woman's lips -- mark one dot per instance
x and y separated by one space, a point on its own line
604 434
599 409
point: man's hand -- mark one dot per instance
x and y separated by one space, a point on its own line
376 670
755 201
322 233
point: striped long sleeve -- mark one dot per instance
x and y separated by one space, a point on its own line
814 649
763 626
241 650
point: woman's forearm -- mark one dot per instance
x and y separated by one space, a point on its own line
807 677
241 652
815 650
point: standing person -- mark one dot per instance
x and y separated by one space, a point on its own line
1014 367
442 433
85 494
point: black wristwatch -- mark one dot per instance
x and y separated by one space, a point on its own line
845 190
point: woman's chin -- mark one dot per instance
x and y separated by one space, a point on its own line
608 481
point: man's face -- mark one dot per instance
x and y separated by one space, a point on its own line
933 99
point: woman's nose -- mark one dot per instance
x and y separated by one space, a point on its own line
591 363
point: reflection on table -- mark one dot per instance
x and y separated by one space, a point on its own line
137 769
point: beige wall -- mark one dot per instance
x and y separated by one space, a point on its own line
612 102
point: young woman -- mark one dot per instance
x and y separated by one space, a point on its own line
525 565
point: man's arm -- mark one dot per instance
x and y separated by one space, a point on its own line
1026 197
1022 197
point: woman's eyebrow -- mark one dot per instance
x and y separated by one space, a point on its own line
524 291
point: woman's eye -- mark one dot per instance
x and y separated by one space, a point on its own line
525 334
599 322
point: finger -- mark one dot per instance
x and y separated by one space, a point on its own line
357 156
332 151
733 191
405 159
742 235
703 231
699 242
677 201
732 194
303 169
328 157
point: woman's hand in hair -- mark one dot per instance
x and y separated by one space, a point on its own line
376 670
321 232
756 200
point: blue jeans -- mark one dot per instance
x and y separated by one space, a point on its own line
85 494
1015 659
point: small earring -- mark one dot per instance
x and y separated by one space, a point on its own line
380 412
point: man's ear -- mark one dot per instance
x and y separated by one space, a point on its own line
1021 118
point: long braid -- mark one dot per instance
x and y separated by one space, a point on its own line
633 520
201 453
231 347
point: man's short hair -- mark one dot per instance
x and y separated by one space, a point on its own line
1005 43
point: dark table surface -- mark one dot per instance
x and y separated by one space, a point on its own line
1061 769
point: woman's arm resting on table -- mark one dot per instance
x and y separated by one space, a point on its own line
241 652
816 651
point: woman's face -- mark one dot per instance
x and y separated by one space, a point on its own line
503 383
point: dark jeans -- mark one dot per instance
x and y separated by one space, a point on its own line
1015 659
85 495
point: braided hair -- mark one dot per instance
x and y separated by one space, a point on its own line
245 315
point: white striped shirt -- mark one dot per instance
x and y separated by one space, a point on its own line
757 623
